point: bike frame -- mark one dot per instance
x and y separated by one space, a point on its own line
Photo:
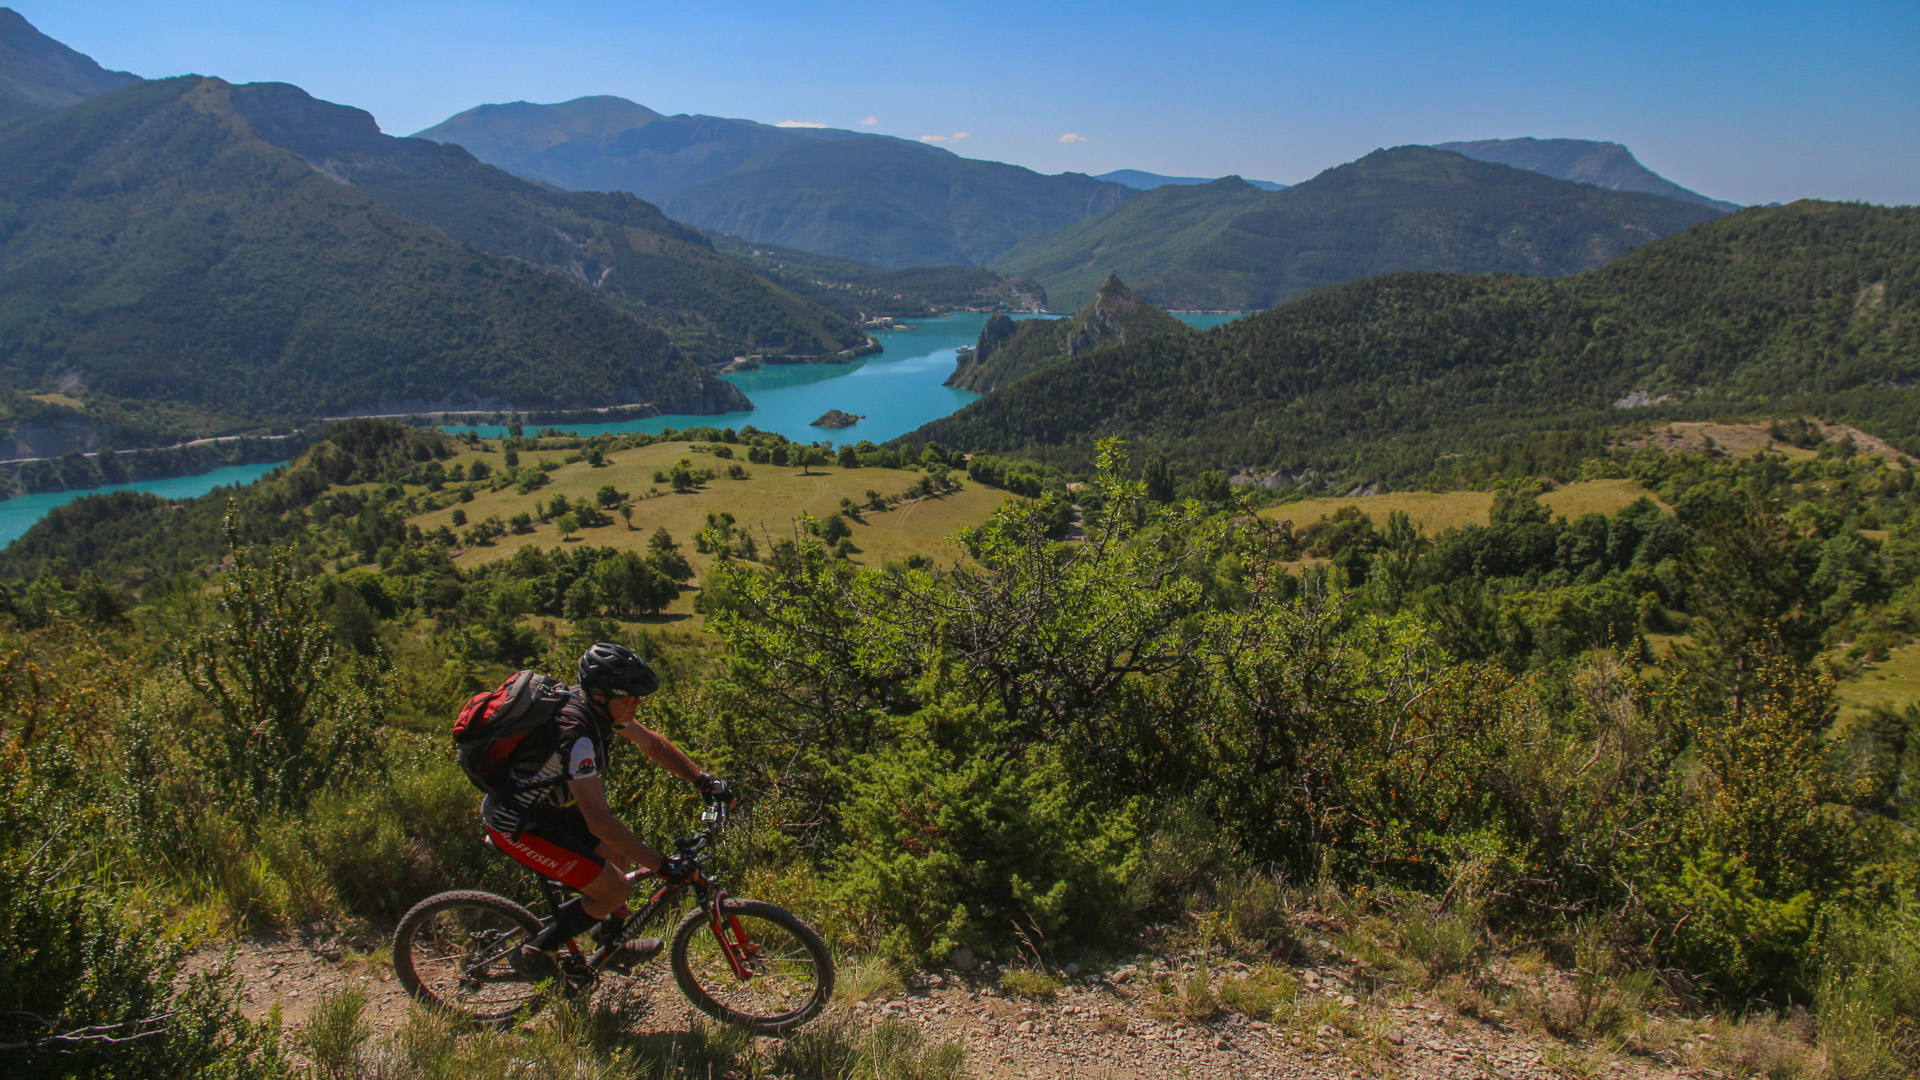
708 894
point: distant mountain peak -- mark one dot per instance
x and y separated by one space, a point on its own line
1607 165
38 73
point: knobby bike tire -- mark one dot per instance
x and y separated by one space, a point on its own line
445 914
797 971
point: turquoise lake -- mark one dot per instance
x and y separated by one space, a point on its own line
895 390
19 514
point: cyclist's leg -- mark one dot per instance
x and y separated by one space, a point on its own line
607 891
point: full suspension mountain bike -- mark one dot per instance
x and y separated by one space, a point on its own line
743 962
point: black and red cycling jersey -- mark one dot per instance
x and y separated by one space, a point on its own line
540 825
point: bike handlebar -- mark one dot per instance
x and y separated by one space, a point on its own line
714 819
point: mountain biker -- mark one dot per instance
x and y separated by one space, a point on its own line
558 822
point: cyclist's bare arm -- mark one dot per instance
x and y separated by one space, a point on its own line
660 750
590 795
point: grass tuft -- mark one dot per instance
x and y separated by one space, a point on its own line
1030 984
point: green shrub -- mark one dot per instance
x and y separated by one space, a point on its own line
84 988
963 845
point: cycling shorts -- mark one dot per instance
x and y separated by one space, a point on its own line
561 849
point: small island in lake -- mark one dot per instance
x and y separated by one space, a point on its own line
834 418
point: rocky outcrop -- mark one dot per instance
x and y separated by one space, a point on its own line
1116 314
1008 350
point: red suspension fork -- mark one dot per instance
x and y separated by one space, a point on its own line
732 937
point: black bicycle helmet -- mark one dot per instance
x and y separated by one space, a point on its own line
609 670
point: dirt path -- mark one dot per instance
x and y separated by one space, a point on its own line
1113 1026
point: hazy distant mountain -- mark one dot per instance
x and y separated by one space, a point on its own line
611 144
1602 164
159 249
37 72
889 202
1009 350
626 250
1146 181
874 198
1229 246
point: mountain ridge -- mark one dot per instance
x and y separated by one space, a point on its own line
1606 165
607 143
38 73
223 272
854 195
624 249
1228 246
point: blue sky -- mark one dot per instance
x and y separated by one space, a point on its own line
1754 102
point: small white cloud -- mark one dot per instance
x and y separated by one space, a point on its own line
870 121
1071 137
799 123
955 137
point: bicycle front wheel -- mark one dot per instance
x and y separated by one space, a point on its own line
788 972
455 951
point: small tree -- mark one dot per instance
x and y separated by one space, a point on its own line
568 524
290 723
626 515
835 528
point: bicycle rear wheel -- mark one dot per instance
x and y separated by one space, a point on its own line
789 970
454 951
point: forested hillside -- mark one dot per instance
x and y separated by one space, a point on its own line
1009 350
858 290
155 247
889 202
1138 240
1229 247
626 250
1807 306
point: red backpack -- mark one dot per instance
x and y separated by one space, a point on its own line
498 727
